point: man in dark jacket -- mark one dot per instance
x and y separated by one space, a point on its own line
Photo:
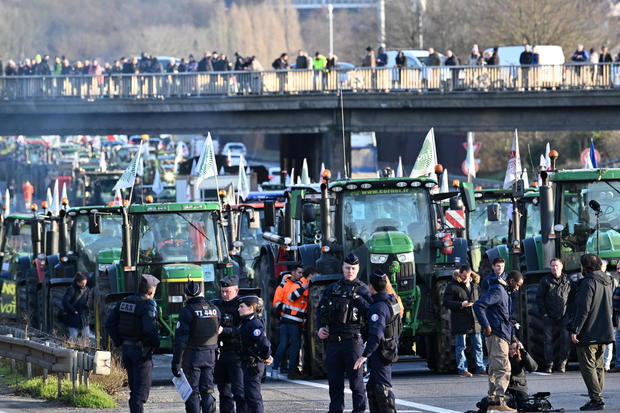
552 298
75 306
498 272
592 328
460 295
493 311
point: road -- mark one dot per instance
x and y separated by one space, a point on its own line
416 389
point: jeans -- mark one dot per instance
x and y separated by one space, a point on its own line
289 332
460 344
75 332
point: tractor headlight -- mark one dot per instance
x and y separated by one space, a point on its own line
378 258
176 299
405 257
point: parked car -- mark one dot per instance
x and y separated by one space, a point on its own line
548 55
235 148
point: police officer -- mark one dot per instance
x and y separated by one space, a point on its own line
132 324
255 352
228 373
342 311
195 344
384 328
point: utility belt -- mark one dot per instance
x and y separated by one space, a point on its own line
336 338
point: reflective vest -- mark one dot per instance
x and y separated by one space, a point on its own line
294 308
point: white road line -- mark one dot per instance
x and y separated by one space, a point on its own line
427 407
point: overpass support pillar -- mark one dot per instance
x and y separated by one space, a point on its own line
317 148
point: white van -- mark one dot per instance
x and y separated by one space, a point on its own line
548 55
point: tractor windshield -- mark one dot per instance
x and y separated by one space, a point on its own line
532 226
252 238
21 243
579 220
368 211
88 245
490 233
176 237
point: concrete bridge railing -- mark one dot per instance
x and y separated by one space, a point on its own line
440 79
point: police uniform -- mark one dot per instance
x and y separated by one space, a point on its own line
195 345
228 372
343 309
132 324
255 349
384 328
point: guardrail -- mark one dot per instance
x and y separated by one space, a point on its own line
51 359
438 79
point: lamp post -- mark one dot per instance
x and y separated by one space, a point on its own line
330 17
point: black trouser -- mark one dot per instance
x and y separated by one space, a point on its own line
139 369
341 356
229 378
553 329
198 368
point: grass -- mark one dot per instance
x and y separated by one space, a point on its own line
93 397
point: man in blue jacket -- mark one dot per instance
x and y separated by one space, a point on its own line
493 311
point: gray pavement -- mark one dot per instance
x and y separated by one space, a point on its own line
416 388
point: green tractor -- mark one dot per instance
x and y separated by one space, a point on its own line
176 242
579 213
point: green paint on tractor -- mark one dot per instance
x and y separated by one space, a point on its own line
389 242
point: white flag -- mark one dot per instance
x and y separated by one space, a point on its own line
140 170
64 194
547 158
157 187
7 202
49 199
427 158
444 182
588 164
128 178
206 166
526 179
55 208
118 198
305 177
103 165
470 161
434 189
290 180
321 173
513 171
399 169
178 156
243 185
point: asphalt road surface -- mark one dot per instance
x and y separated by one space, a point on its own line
416 389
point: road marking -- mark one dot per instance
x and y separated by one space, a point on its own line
541 373
427 407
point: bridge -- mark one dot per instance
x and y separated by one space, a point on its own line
317 106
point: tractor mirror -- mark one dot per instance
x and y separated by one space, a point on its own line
468 196
309 213
493 212
270 214
518 189
94 224
253 219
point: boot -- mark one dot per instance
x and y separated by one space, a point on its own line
385 399
501 408
562 367
549 368
373 407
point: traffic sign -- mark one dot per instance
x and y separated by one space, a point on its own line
586 152
455 218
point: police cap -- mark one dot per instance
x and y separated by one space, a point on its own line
150 280
192 289
378 279
352 259
249 299
230 281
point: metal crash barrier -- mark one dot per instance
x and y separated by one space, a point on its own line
436 79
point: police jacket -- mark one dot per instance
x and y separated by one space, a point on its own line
75 304
229 320
494 308
518 366
344 307
462 319
197 328
593 310
134 319
552 296
384 323
254 343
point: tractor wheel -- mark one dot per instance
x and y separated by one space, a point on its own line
56 293
534 327
315 347
444 341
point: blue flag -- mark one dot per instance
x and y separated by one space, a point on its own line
593 154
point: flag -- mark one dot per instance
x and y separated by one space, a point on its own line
526 179
140 170
228 159
229 198
193 171
157 187
513 171
206 166
243 185
305 177
547 158
434 189
118 198
103 165
321 173
49 198
593 154
427 158
128 178
290 180
399 169
7 202
470 161
588 164
298 181
55 207
178 156
444 182
64 194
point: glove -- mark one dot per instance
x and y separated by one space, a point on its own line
175 371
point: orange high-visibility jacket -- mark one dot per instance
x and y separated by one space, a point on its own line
293 297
